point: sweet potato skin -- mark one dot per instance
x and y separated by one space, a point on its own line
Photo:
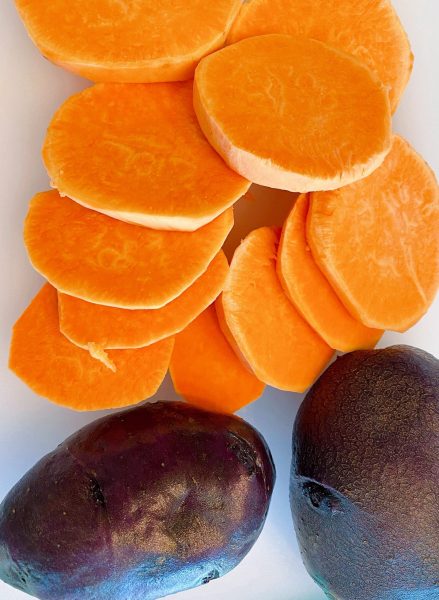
80 524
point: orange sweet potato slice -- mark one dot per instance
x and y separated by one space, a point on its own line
137 153
99 259
368 29
128 41
84 323
299 115
281 348
377 241
58 370
311 292
206 371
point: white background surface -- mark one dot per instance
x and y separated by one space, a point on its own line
30 91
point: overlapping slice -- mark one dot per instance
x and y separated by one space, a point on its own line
311 292
277 343
377 241
293 113
57 369
368 29
84 323
207 372
129 40
99 259
137 153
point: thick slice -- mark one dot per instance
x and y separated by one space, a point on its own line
281 348
377 241
84 323
367 29
57 369
137 153
299 114
207 372
311 292
129 40
91 256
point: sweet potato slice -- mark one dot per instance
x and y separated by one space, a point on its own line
311 292
368 29
58 370
299 115
281 348
137 153
84 323
99 259
377 241
207 372
128 41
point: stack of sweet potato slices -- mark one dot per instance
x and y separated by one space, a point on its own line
147 165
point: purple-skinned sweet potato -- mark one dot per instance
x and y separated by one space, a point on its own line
137 505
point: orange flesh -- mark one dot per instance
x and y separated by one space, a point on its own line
370 30
93 257
84 323
137 153
310 291
299 115
206 371
377 241
222 321
129 41
280 347
55 368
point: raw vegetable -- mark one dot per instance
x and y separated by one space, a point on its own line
368 29
99 259
83 322
137 153
55 368
377 241
280 347
129 41
364 476
207 372
311 292
299 114
138 505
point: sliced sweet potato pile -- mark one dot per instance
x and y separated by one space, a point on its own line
137 153
84 323
311 292
377 240
299 115
99 259
57 369
206 371
281 348
368 29
129 40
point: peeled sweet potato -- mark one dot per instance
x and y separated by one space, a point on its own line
99 259
377 240
276 342
137 153
311 292
55 368
84 323
128 41
293 113
370 30
137 505
206 371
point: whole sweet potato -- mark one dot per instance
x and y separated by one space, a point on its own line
137 505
